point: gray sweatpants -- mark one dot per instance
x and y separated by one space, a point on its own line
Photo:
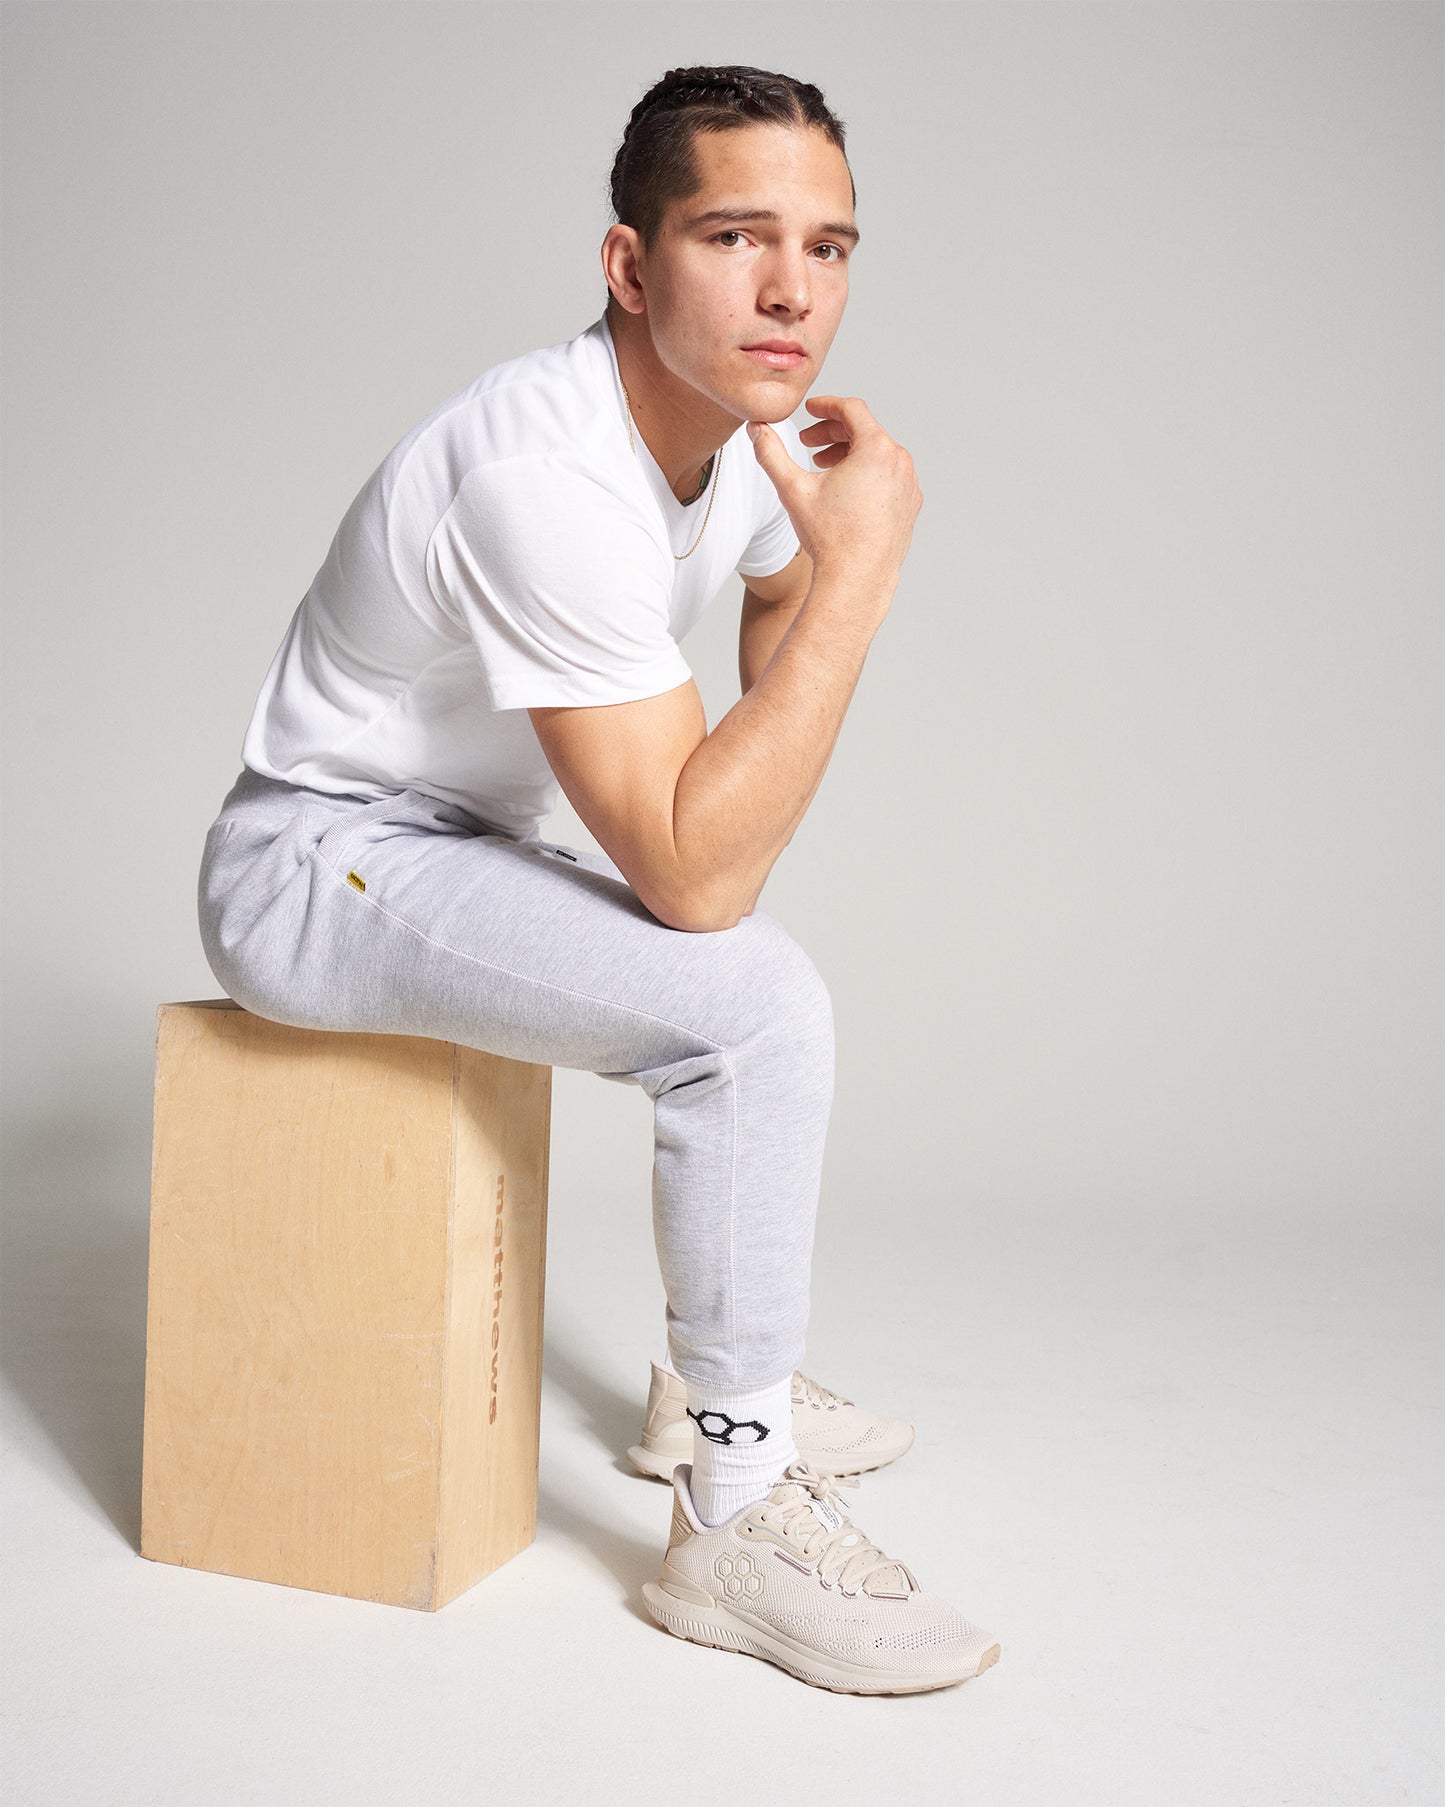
545 953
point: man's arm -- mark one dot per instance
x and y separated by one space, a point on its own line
769 605
695 820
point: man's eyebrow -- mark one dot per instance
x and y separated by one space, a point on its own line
743 216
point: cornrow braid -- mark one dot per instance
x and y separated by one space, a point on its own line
655 166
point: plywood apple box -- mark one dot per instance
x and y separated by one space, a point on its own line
344 1315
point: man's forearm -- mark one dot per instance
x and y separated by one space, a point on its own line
746 787
761 626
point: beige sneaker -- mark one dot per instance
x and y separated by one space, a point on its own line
792 1580
833 1435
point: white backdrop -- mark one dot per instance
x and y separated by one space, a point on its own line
1126 872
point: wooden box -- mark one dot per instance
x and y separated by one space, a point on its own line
344 1312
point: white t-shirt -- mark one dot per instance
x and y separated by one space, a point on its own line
513 549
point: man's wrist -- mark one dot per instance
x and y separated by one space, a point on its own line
854 588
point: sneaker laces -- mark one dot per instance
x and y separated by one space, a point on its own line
845 1556
809 1392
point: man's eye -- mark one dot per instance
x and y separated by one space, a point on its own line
839 255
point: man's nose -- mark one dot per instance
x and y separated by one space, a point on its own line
786 285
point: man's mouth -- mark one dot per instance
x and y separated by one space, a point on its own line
777 354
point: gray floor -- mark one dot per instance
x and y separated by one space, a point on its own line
1187 1473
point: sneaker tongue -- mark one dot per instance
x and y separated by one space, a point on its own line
830 1510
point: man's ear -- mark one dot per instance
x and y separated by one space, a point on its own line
620 248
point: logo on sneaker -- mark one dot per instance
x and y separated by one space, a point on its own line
739 1574
717 1427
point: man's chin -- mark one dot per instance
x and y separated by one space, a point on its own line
774 403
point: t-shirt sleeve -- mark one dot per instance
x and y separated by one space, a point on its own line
775 539
560 583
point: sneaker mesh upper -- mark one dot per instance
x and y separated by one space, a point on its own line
900 1629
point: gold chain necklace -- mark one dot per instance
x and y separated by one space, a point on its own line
712 490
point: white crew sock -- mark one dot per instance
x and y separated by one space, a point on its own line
730 1474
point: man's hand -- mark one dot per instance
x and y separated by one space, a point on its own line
856 514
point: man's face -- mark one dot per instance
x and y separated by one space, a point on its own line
715 286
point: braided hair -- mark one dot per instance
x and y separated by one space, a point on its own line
654 165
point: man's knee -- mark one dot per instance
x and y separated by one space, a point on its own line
787 992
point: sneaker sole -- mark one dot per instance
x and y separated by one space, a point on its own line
658 1467
721 1629
650 1462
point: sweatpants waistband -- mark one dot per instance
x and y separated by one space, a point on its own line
256 796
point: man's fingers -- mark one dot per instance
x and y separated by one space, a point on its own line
831 455
773 455
824 432
852 410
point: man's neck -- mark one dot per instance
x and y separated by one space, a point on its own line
680 428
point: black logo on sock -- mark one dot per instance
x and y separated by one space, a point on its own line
721 1428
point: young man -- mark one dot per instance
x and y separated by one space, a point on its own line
498 617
